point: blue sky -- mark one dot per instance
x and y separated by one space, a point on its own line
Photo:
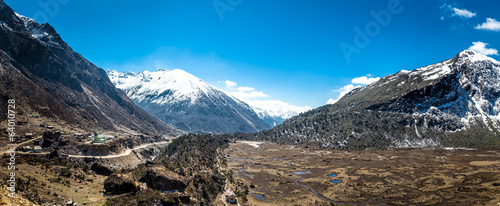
286 50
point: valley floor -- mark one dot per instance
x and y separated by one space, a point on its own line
299 175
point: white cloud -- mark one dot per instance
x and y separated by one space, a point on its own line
346 89
230 84
253 98
245 89
355 83
342 91
331 101
481 48
365 80
246 96
463 13
490 24
448 11
243 93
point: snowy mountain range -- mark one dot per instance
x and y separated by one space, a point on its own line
276 111
455 102
187 102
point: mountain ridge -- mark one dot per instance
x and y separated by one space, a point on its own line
187 102
450 103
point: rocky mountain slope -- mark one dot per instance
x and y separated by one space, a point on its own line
452 103
185 101
44 75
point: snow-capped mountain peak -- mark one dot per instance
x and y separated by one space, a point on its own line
184 100
275 112
180 84
473 56
45 33
27 21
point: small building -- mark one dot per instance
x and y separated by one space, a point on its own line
26 148
77 134
28 135
50 127
99 138
37 149
230 196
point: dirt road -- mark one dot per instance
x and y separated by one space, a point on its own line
125 153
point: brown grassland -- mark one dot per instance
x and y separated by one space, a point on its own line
298 175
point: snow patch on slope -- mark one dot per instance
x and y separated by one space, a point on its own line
433 72
38 31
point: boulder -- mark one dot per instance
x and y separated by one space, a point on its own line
53 154
120 184
160 178
100 169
